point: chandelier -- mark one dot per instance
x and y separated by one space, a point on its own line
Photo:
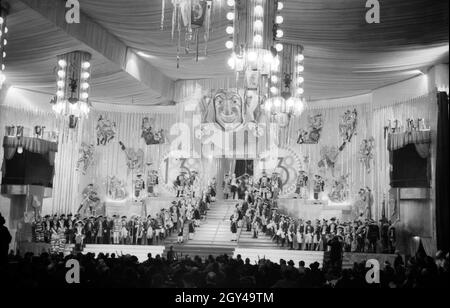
188 17
286 86
254 28
4 9
73 75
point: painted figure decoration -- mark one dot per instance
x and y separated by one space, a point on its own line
366 152
134 158
150 135
115 188
340 189
106 130
86 157
311 133
347 126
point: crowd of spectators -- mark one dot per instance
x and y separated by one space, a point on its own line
49 270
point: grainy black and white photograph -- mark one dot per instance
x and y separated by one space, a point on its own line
201 145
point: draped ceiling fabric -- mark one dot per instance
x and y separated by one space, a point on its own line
345 56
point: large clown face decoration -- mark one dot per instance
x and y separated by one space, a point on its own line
228 109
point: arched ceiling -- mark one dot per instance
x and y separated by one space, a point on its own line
345 56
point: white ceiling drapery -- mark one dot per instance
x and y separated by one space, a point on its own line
345 56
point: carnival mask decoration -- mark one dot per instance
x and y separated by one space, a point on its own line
228 108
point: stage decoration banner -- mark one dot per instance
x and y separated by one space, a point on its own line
311 133
366 154
86 154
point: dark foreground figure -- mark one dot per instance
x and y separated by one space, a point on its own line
125 271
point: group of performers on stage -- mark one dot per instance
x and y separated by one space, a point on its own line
237 187
257 212
191 185
60 230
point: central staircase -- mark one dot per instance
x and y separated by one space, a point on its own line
213 237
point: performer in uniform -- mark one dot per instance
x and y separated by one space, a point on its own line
233 226
301 185
300 234
264 185
226 186
318 186
139 185
317 235
392 238
152 182
276 185
180 184
309 232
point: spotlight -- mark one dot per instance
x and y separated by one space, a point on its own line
279 19
252 56
230 2
280 6
279 47
280 33
62 63
257 39
230 16
229 30
20 149
258 24
259 10
229 44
